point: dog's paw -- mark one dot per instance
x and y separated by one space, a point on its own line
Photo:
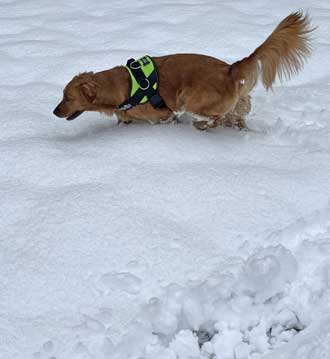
171 119
201 125
125 122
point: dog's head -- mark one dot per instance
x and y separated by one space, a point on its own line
79 95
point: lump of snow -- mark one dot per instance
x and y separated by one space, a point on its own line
242 350
225 342
164 320
185 345
266 272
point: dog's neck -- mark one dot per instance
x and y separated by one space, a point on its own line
113 89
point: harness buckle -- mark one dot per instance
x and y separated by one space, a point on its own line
146 87
135 67
124 107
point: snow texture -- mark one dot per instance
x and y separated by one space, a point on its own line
160 242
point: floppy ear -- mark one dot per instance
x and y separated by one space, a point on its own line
88 90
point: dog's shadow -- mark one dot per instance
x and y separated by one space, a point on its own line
91 131
107 130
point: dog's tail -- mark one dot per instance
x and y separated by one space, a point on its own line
283 54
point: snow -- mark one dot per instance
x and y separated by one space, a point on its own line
160 241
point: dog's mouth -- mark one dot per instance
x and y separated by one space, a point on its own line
74 115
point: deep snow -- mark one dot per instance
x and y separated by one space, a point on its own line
160 241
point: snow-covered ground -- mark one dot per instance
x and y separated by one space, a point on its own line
160 242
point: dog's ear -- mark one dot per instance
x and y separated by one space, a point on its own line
88 90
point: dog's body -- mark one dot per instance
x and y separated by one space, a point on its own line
210 89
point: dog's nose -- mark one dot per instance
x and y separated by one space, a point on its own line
55 112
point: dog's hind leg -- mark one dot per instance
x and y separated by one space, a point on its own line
234 118
203 125
209 107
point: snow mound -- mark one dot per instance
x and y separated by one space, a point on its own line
268 271
234 316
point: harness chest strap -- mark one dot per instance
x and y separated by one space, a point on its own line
144 84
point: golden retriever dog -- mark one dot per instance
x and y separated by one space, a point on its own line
212 91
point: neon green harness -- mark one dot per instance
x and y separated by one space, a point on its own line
144 84
147 68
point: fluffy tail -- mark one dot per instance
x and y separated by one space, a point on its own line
283 54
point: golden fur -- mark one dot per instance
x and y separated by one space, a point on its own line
198 84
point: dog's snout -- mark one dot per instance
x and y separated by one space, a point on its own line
56 111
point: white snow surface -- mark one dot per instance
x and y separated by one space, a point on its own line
160 241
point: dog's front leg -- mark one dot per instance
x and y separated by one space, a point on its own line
126 122
122 117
